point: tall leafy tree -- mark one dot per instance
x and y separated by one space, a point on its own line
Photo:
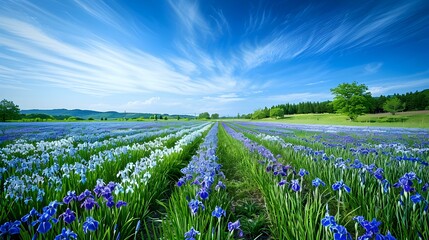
393 105
351 99
204 115
8 110
277 112
215 116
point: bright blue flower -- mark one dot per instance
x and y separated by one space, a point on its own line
218 212
317 182
90 224
302 172
328 221
10 228
191 234
340 185
379 174
44 222
194 205
120 203
282 182
109 202
203 193
405 183
389 236
416 198
51 209
181 182
32 213
66 234
294 184
71 195
340 233
68 216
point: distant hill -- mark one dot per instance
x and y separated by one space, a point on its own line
85 114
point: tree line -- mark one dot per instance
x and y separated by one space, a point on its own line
352 100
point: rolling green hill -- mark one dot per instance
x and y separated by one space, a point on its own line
85 114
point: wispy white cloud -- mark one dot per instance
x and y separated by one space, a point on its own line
390 86
334 32
97 67
314 83
372 68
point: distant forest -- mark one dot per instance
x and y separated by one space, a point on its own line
414 101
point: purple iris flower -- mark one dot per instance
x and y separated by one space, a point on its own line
220 185
89 203
68 216
84 194
120 204
282 182
232 226
294 184
71 195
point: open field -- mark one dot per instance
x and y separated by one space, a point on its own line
416 119
212 180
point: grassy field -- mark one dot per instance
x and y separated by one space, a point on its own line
416 119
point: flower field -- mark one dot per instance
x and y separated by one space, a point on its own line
212 180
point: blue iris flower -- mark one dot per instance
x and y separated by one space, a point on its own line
317 182
90 224
218 212
295 185
194 205
302 172
68 216
191 234
416 198
340 185
32 213
66 234
10 228
44 222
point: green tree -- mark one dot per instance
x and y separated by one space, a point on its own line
277 112
8 110
215 116
351 99
258 114
204 115
178 117
393 105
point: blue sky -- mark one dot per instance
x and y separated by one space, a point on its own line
224 56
